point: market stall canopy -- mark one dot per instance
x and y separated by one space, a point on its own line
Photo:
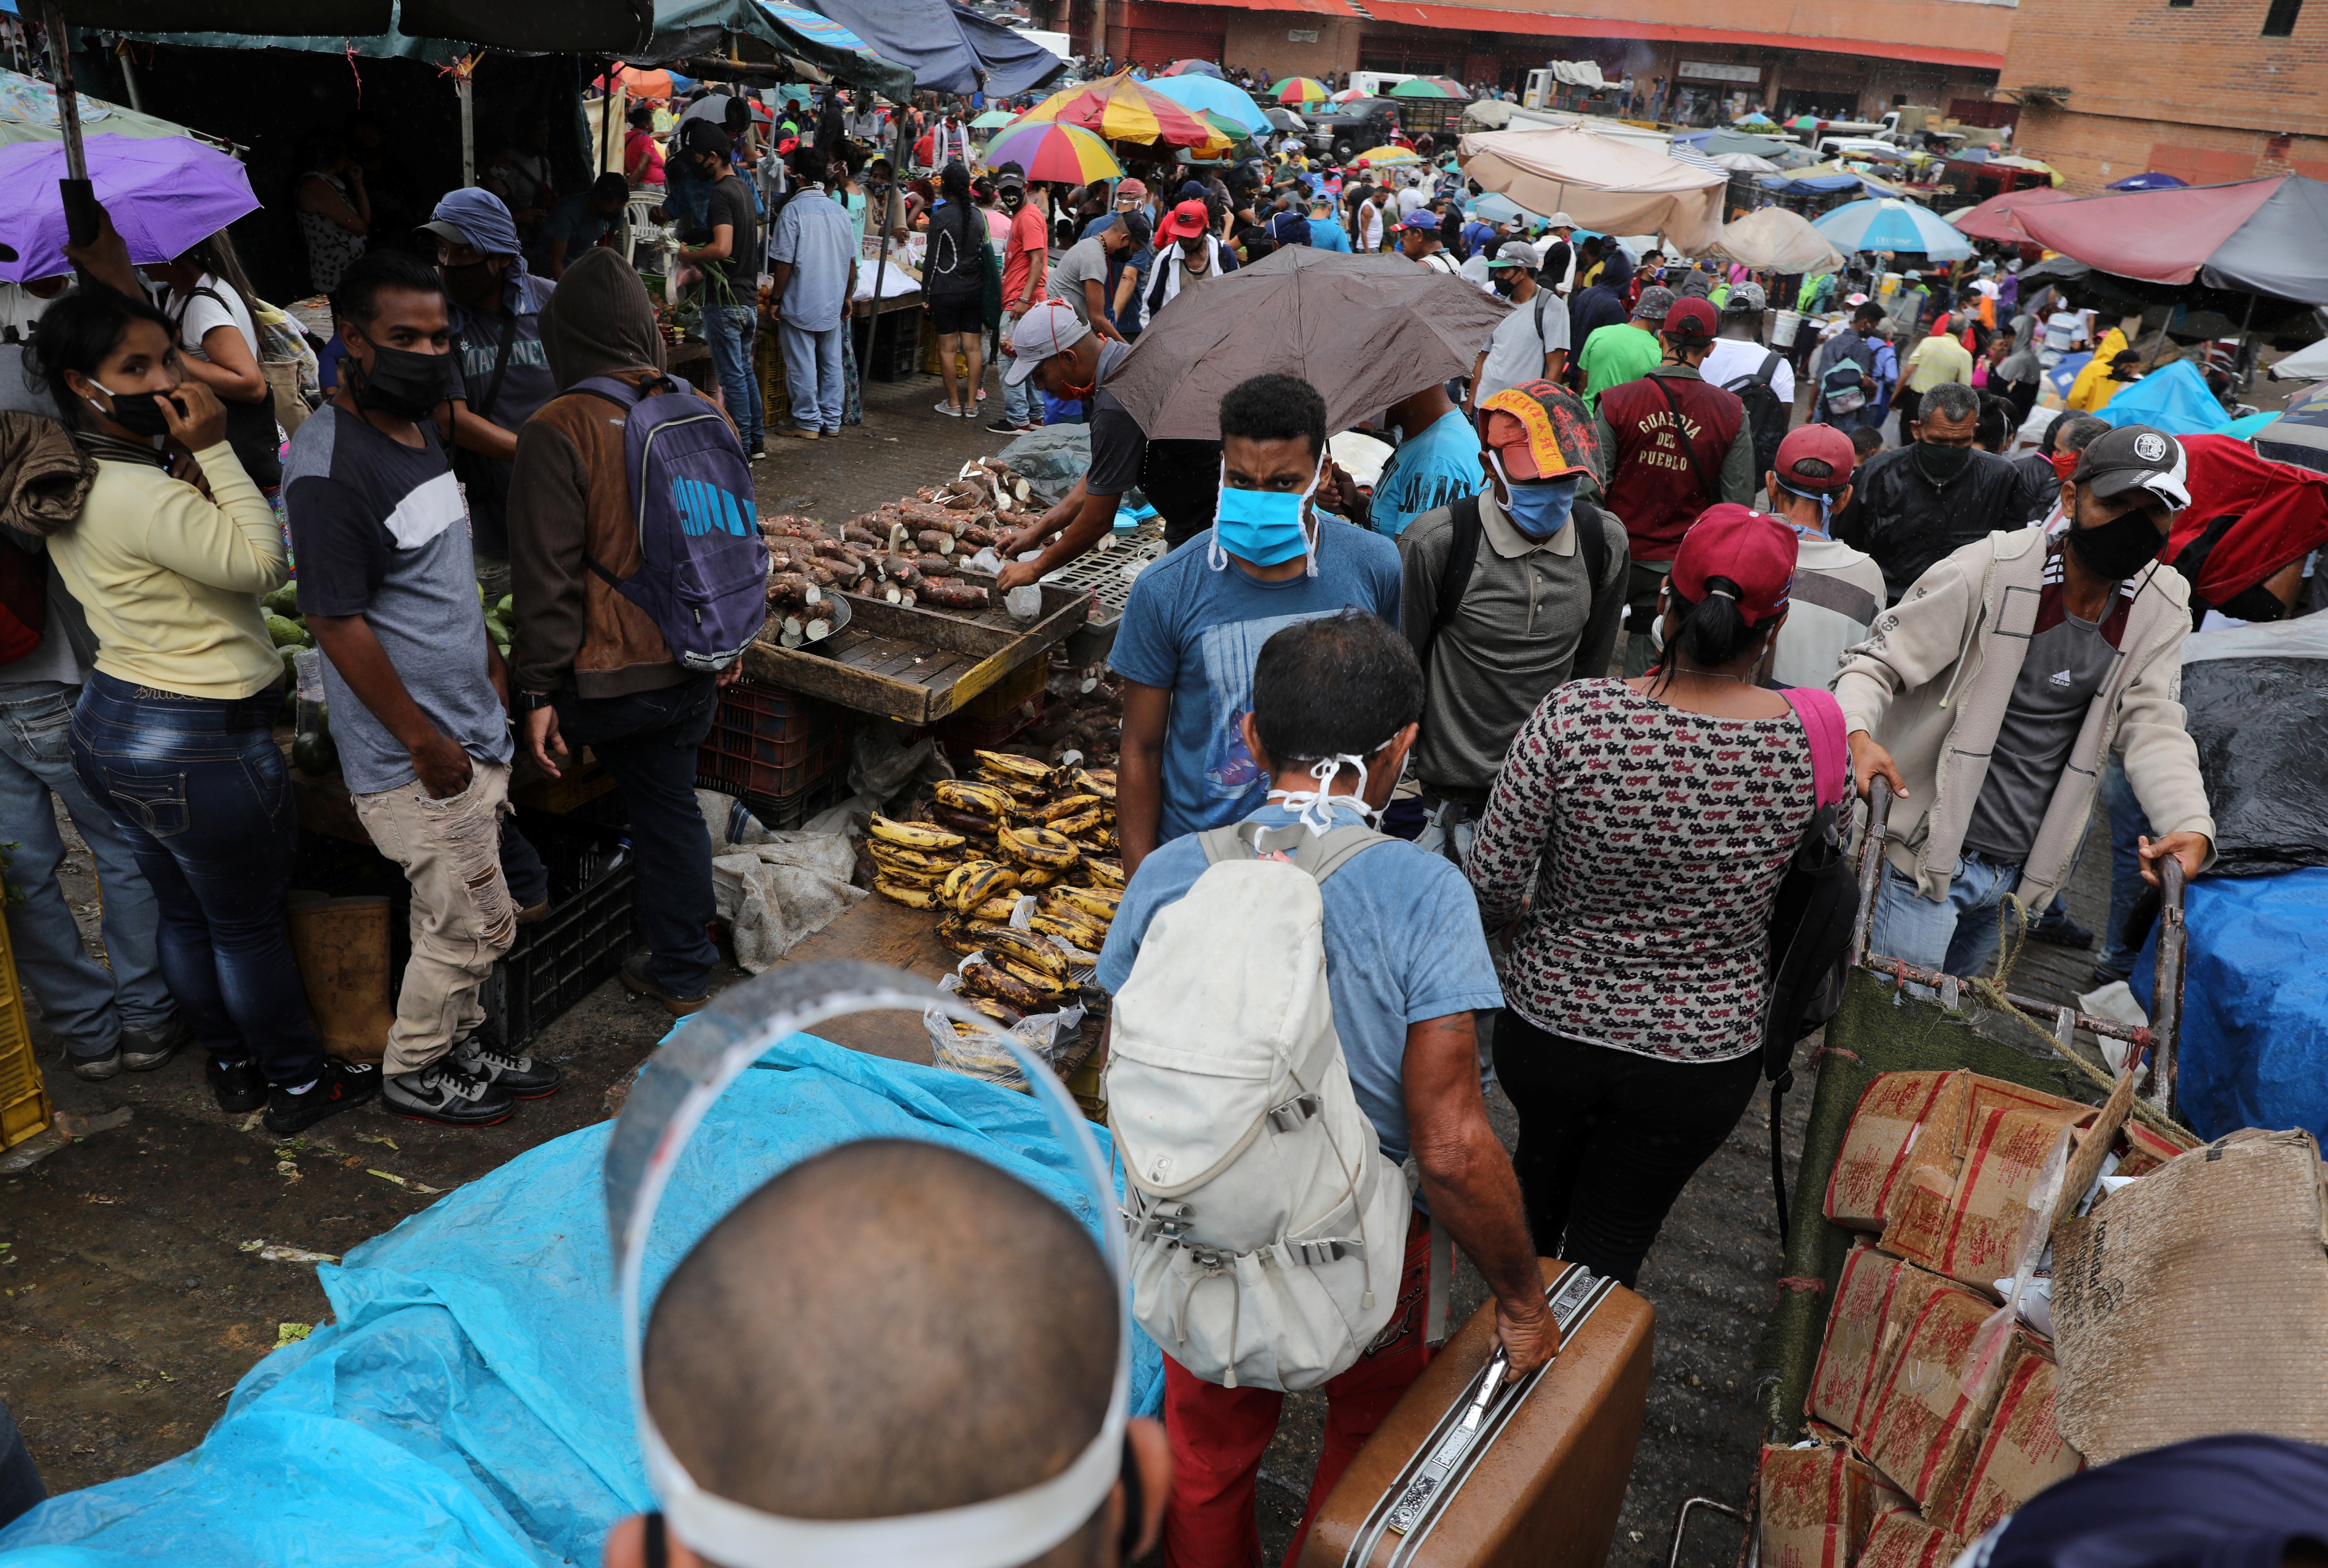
28 113
947 46
2308 364
1211 94
1578 73
1615 185
1298 311
1887 224
2265 236
1742 163
570 26
1777 241
2300 435
1993 219
164 195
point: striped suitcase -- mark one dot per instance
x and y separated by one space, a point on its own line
1467 1475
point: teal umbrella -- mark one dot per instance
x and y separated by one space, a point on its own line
1213 96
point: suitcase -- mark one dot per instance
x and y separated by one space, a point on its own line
1534 1474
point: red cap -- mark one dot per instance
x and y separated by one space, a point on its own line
1185 221
1751 549
1823 445
1689 318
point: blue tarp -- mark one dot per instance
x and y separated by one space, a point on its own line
945 45
2175 397
2255 1003
468 1408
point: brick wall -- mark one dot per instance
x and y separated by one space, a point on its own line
2176 69
2092 150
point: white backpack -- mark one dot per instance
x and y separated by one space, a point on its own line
1268 1231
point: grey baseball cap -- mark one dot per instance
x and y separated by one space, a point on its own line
1656 302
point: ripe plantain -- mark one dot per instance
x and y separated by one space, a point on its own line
1099 837
987 980
1041 847
1001 1012
1053 991
1094 781
1024 769
1097 903
1030 951
982 881
911 898
919 836
976 796
890 857
1024 797
969 823
909 876
1064 806
1033 877
1106 875
1069 927
994 911
1086 821
954 935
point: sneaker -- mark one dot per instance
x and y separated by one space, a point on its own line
950 411
340 1087
1003 427
443 1090
637 980
95 1069
759 451
143 1051
2062 932
240 1088
521 1077
832 431
805 434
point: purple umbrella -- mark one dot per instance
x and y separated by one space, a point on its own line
164 193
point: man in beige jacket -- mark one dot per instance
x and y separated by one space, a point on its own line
1990 697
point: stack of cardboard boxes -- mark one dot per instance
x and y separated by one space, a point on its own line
1931 1412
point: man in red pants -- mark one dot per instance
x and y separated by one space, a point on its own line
1408 968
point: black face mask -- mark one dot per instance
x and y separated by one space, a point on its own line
2117 550
139 413
469 283
402 382
1942 463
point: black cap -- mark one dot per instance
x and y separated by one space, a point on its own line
700 135
2136 457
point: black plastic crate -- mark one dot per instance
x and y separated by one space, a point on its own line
554 962
784 813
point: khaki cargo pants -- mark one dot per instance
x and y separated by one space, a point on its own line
463 917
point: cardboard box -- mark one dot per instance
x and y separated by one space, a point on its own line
2196 1301
1900 1539
2143 1151
2023 1452
1971 1231
1815 1507
1875 1302
1922 1430
1879 1149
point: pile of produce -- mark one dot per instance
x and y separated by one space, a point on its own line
1018 834
313 749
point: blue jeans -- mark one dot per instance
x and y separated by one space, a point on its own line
204 799
1022 402
812 375
647 741
1956 936
81 1002
731 329
2129 824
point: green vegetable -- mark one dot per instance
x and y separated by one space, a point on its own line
315 752
507 606
283 601
287 634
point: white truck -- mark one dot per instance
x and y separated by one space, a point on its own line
1377 83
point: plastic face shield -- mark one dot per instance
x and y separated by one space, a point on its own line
673 1092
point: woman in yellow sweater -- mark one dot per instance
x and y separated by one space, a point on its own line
171 733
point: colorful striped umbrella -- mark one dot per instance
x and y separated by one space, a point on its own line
1379 155
1299 89
1192 68
1422 86
1454 89
1210 96
992 119
1347 93
1048 150
1121 109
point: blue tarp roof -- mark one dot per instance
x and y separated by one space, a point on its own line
946 46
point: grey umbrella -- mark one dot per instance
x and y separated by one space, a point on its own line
1365 331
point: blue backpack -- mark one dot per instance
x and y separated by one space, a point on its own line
705 576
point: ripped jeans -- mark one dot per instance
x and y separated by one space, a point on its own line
463 915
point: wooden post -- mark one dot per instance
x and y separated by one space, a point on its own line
462 85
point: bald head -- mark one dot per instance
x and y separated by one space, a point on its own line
890 1328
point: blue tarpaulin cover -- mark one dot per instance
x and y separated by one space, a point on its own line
2173 397
2255 1003
469 1406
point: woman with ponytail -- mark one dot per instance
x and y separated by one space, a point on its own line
954 289
1630 853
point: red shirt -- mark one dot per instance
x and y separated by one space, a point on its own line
1026 253
1652 485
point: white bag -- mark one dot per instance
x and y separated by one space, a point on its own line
1267 1230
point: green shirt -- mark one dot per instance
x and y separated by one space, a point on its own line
1616 354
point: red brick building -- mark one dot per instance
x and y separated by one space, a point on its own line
1831 57
2208 90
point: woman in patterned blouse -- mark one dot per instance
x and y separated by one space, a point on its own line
1633 844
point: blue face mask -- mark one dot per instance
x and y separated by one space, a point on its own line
1261 526
1539 508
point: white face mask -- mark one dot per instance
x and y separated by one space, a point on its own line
1315 808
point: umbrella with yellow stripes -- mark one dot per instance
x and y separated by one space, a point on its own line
1123 111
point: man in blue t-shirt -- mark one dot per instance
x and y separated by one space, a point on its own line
1407 966
1436 462
1197 619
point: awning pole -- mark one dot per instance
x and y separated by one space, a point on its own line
605 116
79 195
881 268
468 129
2244 366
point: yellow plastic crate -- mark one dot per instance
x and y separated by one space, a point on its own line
24 1107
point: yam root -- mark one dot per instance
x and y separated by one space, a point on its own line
934 541
792 588
953 596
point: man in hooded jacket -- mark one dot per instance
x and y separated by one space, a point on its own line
588 666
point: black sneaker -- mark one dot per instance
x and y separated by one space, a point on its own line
143 1051
520 1077
443 1091
2062 932
640 981
341 1087
97 1069
239 1088
1003 427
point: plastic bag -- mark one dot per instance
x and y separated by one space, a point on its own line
2261 728
1994 1335
1051 459
1047 1035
